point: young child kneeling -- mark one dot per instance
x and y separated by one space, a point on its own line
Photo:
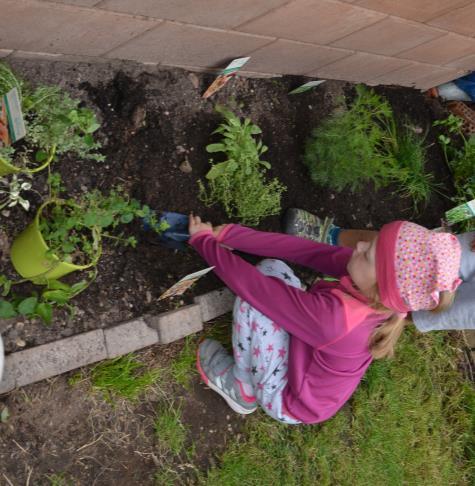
301 354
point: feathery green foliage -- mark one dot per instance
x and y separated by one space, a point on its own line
239 183
406 168
344 152
364 143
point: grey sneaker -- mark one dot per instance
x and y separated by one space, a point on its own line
216 369
299 222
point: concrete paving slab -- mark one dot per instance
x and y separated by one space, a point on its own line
215 303
128 337
177 324
47 360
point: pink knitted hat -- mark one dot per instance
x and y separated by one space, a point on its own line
414 264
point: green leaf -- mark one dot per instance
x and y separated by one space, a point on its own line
88 140
77 287
255 130
41 156
59 296
45 311
27 306
217 170
265 164
58 285
92 127
126 218
215 147
4 415
7 310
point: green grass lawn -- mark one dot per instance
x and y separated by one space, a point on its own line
411 422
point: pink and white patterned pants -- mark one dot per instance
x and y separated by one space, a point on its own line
261 347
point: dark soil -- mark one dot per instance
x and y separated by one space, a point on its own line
152 121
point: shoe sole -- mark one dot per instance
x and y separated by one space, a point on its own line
234 405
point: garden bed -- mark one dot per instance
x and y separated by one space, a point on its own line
155 119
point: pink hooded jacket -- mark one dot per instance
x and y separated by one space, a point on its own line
329 325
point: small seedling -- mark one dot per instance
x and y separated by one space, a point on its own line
239 182
11 192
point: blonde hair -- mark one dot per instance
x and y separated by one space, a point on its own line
384 338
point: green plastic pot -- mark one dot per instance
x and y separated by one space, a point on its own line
28 254
6 168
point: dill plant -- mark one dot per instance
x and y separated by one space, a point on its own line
364 143
239 183
344 151
406 155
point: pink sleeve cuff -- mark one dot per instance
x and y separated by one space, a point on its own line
224 232
199 234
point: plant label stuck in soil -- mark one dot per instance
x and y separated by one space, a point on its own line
12 125
184 284
225 75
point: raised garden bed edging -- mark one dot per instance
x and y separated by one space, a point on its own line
58 357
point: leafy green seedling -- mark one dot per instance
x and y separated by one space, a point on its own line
239 183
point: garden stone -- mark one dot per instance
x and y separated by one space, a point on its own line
41 362
177 324
215 303
128 337
7 383
185 167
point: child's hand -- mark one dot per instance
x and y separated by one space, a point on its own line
195 225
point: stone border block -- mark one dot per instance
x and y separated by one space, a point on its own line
8 379
215 303
128 337
5 52
177 324
47 360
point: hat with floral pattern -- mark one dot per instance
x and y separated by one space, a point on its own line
414 264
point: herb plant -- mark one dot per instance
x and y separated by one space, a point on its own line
406 156
55 121
55 124
459 152
344 152
73 228
239 182
364 143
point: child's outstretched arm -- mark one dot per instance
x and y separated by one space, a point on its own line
315 318
328 259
